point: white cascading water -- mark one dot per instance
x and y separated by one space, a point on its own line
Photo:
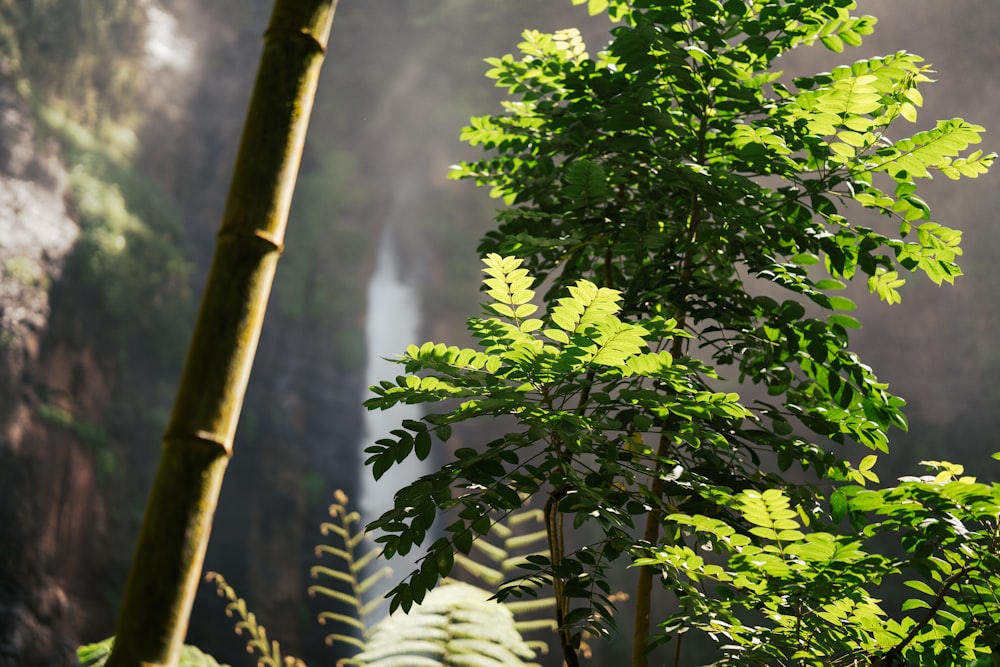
392 323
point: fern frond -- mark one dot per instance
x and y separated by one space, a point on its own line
526 540
369 607
345 582
326 528
325 616
491 551
456 624
346 598
502 529
316 570
517 562
334 638
537 645
504 549
518 607
478 570
371 580
269 650
364 561
321 549
525 515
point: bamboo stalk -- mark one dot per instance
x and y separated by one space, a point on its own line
166 567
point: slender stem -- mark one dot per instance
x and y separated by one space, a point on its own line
644 587
651 531
608 278
554 532
893 653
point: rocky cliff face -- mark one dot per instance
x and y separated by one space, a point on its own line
37 233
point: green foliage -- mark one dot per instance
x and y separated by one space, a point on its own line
79 67
591 452
257 641
92 436
459 624
505 547
85 57
456 624
509 544
95 655
812 596
346 583
693 213
318 272
129 261
26 271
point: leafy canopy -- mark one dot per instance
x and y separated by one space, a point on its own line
695 214
537 369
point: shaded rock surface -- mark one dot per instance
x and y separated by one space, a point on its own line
36 235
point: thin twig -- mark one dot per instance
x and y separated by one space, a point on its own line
893 653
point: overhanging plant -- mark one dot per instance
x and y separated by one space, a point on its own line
694 213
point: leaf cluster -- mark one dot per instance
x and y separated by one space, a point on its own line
695 215
458 624
679 167
585 387
792 587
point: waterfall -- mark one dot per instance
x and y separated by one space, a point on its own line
392 323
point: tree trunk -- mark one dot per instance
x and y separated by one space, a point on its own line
166 566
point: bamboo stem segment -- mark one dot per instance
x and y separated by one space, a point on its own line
166 567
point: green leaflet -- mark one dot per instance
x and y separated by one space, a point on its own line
97 654
933 149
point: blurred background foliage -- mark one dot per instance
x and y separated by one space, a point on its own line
145 101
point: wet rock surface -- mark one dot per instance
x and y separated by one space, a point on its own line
36 234
36 229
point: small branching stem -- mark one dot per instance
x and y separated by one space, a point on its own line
644 587
554 531
891 656
608 258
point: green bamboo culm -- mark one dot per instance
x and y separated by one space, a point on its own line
166 567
